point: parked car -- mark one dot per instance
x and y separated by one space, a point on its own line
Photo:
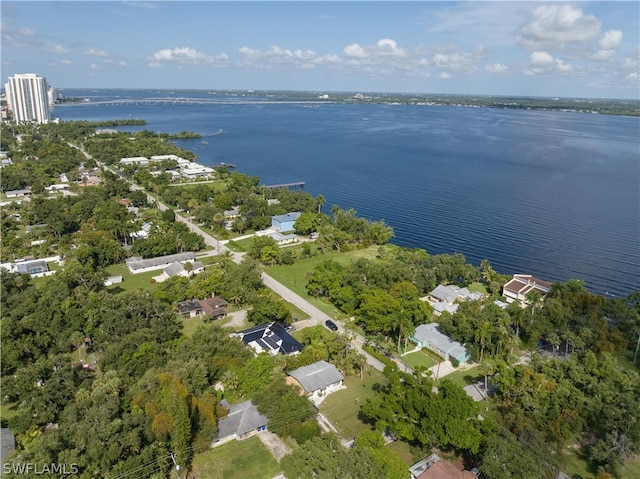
331 325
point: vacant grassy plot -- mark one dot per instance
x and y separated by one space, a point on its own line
131 282
294 276
419 358
464 378
478 288
343 407
236 459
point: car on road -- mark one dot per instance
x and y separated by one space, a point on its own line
331 325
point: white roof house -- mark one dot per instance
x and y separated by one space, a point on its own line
139 265
444 298
429 336
317 379
136 160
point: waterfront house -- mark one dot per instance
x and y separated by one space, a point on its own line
241 422
446 298
317 379
285 222
429 336
521 285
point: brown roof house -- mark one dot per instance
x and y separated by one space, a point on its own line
214 307
433 467
521 285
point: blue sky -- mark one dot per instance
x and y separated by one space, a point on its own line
554 49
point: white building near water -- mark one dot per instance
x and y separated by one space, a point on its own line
28 98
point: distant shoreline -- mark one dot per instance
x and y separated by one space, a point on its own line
577 105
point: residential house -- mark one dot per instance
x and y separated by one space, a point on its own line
446 298
317 379
285 222
434 467
214 307
35 268
139 265
521 285
137 160
177 268
241 422
282 239
17 193
271 338
429 336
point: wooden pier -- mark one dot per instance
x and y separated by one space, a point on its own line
294 185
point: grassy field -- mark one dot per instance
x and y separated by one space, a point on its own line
342 407
294 276
236 459
403 450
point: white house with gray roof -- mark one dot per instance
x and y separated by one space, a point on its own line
139 265
429 336
241 422
317 379
446 298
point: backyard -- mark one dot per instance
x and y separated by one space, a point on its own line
342 407
236 459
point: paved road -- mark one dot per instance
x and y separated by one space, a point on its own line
316 316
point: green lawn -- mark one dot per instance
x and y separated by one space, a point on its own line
464 378
131 282
236 459
577 465
419 358
403 449
342 407
478 287
295 276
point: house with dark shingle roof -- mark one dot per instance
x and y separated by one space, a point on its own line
271 338
317 379
241 422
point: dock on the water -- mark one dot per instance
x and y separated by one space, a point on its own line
295 184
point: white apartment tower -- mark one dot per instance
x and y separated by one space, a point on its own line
28 98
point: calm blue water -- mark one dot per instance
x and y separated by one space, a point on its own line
549 193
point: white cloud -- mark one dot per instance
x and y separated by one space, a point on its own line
59 49
558 27
444 75
452 59
354 50
542 62
610 40
66 62
496 68
122 63
186 55
96 53
95 67
154 64
27 32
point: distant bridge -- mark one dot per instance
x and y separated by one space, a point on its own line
189 101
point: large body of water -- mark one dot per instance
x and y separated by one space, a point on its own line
554 194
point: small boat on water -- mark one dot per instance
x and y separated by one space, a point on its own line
219 132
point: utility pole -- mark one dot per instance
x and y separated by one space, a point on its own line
173 458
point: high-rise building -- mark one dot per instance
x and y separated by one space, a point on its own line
28 98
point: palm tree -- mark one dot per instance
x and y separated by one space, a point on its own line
483 334
486 369
321 200
534 298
